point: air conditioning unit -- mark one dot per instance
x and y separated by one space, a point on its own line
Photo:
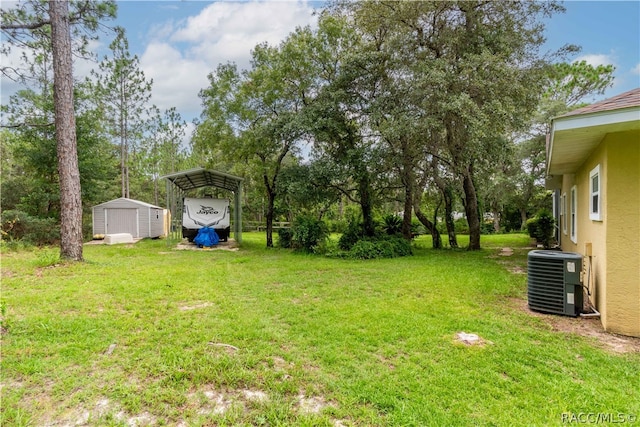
554 282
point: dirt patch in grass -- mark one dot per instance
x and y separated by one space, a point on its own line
96 415
584 327
195 306
311 404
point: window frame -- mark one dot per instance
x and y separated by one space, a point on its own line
574 214
563 212
595 215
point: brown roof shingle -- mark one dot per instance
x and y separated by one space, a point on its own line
624 100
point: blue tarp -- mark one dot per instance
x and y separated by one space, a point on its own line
206 237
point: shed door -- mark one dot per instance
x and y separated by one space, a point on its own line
118 220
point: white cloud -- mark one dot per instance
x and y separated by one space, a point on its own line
226 31
597 59
636 69
176 79
184 52
181 53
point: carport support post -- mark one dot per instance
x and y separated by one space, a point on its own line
170 214
238 213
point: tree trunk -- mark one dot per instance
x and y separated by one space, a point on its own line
496 220
65 123
366 204
408 209
431 227
523 219
155 190
123 170
448 210
270 215
471 209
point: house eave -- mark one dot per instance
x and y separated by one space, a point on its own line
573 138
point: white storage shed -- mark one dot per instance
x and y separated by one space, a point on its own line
124 215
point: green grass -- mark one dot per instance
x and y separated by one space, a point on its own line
367 342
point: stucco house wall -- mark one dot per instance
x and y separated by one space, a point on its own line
623 234
605 136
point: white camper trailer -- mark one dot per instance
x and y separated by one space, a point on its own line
198 213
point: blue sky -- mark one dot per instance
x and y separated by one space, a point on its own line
180 42
607 31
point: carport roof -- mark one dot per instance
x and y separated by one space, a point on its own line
200 177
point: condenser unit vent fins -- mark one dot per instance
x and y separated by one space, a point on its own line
553 284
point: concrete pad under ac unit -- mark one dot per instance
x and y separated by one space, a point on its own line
113 239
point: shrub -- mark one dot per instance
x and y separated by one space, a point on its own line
417 228
486 227
461 226
337 226
383 247
392 224
353 233
541 227
285 235
18 225
308 233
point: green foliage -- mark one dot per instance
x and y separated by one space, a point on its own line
486 227
569 83
18 225
47 258
541 227
308 233
417 228
380 247
461 226
285 237
353 233
337 226
392 224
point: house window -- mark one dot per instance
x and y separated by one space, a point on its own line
573 215
595 184
563 212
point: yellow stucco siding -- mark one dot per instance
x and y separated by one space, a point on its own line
613 271
622 216
589 231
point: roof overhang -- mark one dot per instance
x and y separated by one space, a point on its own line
200 177
573 138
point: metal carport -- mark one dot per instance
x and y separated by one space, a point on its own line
180 182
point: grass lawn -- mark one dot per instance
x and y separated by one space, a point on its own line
144 335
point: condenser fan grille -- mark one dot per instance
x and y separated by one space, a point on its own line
546 285
553 284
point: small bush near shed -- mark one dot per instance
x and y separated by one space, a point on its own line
285 235
20 226
308 233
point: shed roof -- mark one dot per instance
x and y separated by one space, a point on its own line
135 202
200 177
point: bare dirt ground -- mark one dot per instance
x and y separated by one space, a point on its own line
589 327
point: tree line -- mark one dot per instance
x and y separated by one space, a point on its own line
423 107
418 108
103 139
